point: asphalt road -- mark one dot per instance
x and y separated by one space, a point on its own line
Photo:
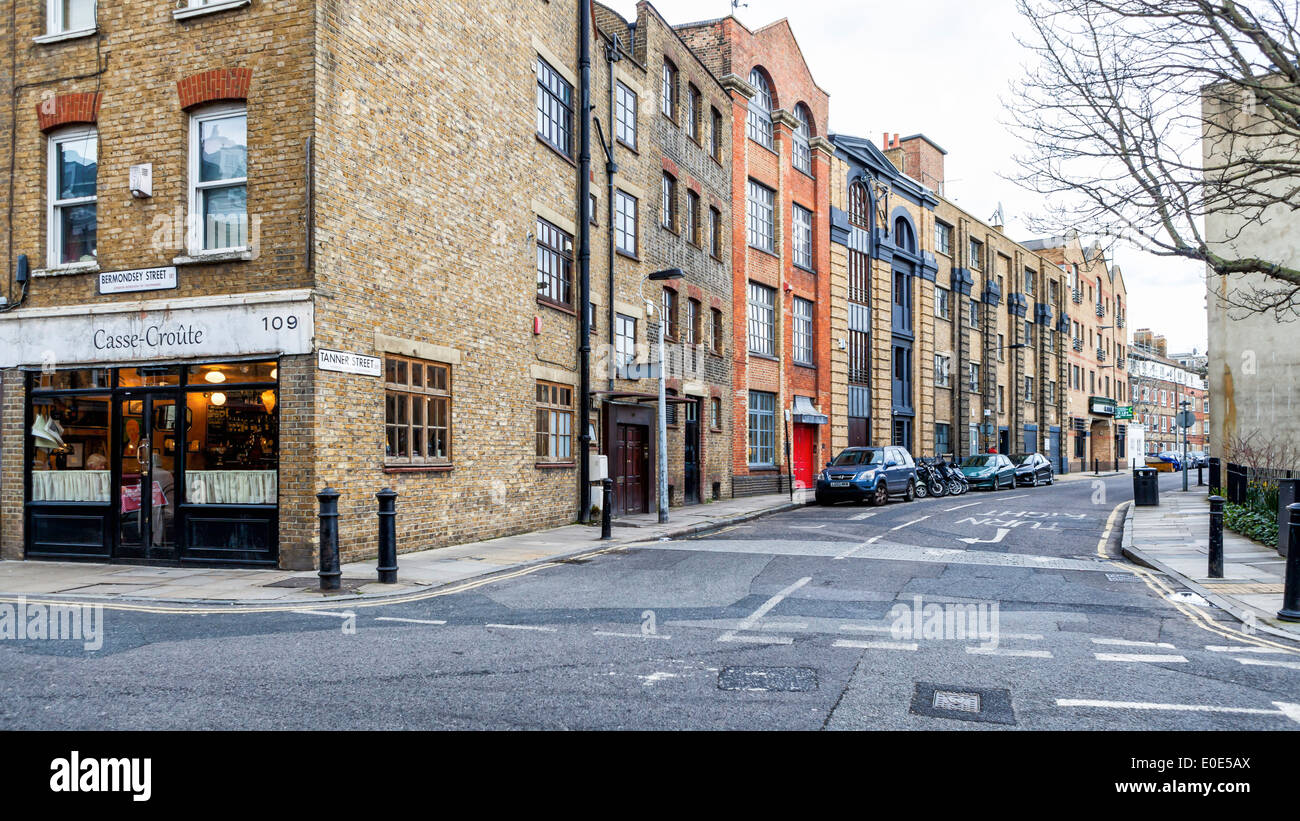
796 621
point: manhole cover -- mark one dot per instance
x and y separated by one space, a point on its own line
768 679
985 704
948 700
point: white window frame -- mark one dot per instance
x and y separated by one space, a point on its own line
801 313
197 119
942 371
194 8
800 150
625 224
761 309
56 28
801 220
53 231
623 108
760 213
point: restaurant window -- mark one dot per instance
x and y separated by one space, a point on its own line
554 264
554 422
73 173
417 411
219 179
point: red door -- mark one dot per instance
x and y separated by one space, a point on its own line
804 469
632 462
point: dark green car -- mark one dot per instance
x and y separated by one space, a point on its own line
991 470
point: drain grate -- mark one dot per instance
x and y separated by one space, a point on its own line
985 704
768 679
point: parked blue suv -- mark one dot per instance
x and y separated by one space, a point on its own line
873 474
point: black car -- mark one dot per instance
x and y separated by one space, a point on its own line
1032 469
872 473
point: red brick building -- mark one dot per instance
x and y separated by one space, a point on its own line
781 260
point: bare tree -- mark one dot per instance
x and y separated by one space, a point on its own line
1141 117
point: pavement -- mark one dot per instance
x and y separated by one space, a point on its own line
1174 538
417 571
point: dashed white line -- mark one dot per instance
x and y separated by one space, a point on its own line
329 613
909 524
410 621
865 628
860 516
1219 648
1290 665
1291 711
752 618
1153 659
523 627
999 651
754 638
1009 498
856 548
780 626
630 635
959 507
876 645
1127 643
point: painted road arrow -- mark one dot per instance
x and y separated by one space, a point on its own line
1002 534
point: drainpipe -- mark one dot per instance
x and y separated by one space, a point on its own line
584 260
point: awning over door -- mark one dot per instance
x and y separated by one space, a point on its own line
805 413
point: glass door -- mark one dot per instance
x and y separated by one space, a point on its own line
150 427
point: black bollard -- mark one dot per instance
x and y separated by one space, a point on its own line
1216 477
606 509
330 575
387 535
1291 593
1216 537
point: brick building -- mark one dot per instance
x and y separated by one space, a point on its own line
946 334
1159 384
781 260
1096 377
270 248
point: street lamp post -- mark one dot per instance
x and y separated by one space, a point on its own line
662 276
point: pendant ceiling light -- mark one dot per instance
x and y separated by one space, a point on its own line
268 400
215 377
218 399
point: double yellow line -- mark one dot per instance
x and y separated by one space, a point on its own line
1161 588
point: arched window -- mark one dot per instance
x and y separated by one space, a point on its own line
859 205
904 237
760 109
801 152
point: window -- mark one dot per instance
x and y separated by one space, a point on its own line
760 217
73 197
800 151
693 330
668 204
692 217
592 209
693 112
802 314
417 411
943 303
859 205
624 344
859 266
625 115
715 134
1029 332
759 124
973 376
942 438
803 237
943 238
942 371
1002 404
715 413
669 309
973 319
554 422
762 319
976 254
219 179
1029 280
716 324
67 16
715 232
1051 392
554 264
625 223
1002 347
1029 389
669 91
554 109
762 429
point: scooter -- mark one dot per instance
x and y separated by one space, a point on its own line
957 483
930 483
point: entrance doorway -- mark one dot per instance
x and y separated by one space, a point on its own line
691 460
803 455
631 483
147 479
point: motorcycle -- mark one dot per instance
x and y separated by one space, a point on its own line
957 483
929 482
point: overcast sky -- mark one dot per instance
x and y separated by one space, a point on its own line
940 67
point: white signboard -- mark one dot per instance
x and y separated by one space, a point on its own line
344 362
180 329
141 279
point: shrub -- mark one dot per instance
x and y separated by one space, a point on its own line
1252 523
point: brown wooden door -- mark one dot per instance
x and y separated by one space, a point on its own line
632 462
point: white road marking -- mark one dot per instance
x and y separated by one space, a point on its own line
630 635
330 613
865 628
876 645
1290 665
1127 643
960 507
999 651
909 524
1009 498
856 548
1002 534
1219 648
754 638
410 621
780 626
1291 711
762 611
860 516
806 527
1155 659
523 627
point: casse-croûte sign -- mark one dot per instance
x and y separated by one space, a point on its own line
281 322
140 279
344 362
